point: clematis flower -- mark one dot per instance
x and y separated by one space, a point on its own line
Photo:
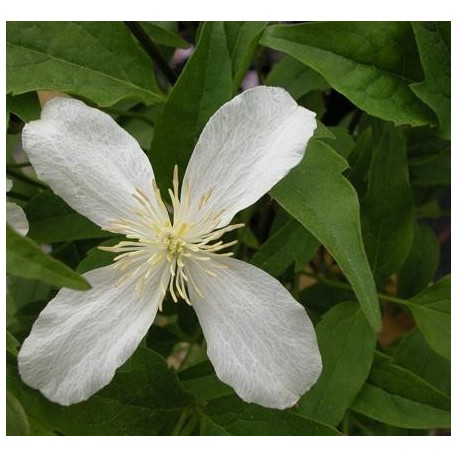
15 215
259 339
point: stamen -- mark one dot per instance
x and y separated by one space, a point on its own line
152 241
172 268
209 272
142 194
187 196
172 292
204 198
218 234
157 194
219 246
193 283
175 180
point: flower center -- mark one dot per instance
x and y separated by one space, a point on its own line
174 244
155 246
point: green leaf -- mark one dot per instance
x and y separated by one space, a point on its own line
398 397
371 63
434 45
138 122
387 209
144 398
231 416
37 429
430 162
359 160
96 60
342 142
12 142
314 101
423 142
295 77
320 298
415 355
12 344
162 36
347 345
25 106
249 239
96 258
242 38
25 291
435 170
162 341
432 312
322 131
421 264
52 220
204 85
202 381
16 419
25 259
325 203
11 306
290 244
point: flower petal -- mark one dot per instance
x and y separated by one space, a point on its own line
16 218
247 146
260 340
87 159
81 337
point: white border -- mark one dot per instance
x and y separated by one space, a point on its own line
375 447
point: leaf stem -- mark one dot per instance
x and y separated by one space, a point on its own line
396 300
152 50
129 114
346 286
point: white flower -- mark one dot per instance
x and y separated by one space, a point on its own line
15 215
259 339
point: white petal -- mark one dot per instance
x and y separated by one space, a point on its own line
247 146
87 159
260 340
16 218
9 185
81 337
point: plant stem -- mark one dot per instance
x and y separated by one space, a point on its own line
152 50
354 121
18 196
346 424
190 425
18 165
180 423
25 178
258 54
185 358
191 28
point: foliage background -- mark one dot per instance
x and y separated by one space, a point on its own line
359 231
